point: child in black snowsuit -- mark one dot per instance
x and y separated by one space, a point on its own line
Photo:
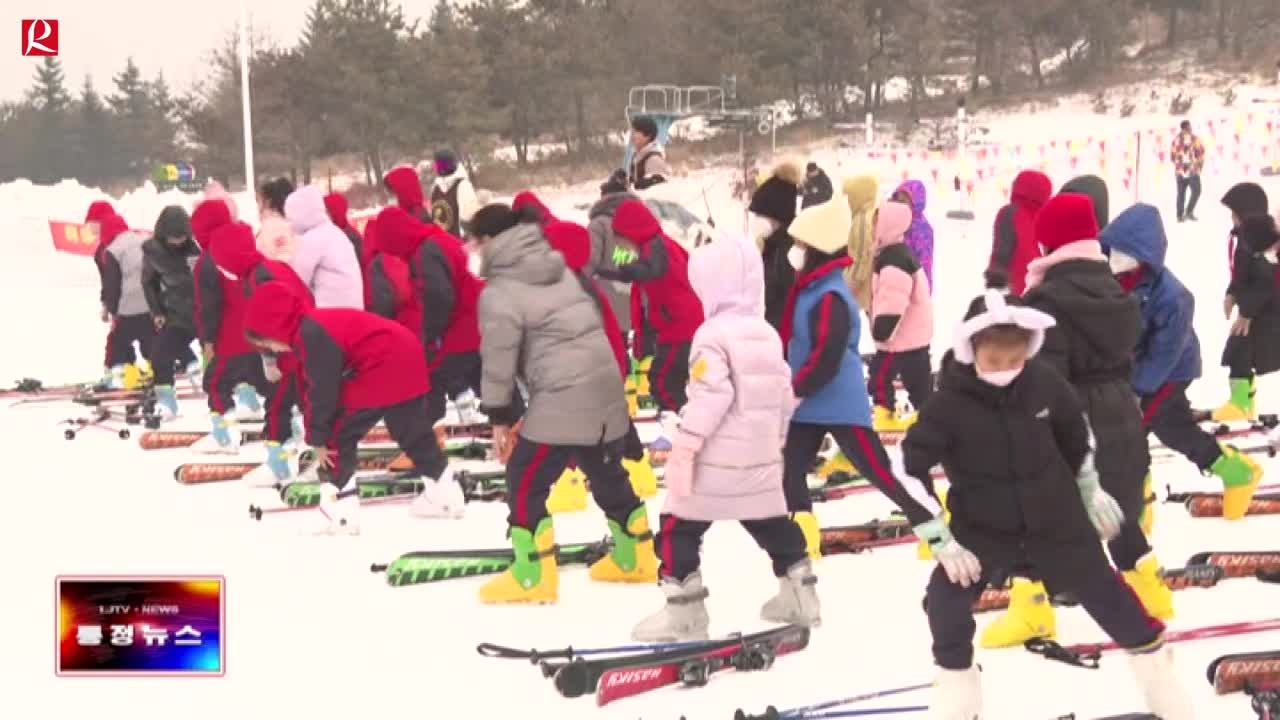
168 258
1025 498
1249 350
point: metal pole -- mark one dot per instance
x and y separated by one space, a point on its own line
871 129
773 128
245 106
1137 164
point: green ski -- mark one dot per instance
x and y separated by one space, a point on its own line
416 568
477 486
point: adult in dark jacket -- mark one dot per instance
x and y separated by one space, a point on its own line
817 186
447 294
403 182
1167 359
1092 345
234 251
1253 347
773 207
358 369
1024 498
169 257
335 204
661 275
1014 245
540 326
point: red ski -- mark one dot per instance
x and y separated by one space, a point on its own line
1087 654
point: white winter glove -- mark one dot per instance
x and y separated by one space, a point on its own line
960 565
1104 511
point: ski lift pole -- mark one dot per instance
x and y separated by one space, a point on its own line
962 141
246 111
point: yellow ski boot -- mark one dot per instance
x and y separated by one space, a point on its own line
133 377
808 524
1147 520
837 463
1149 586
642 376
632 559
569 494
1029 616
1240 478
633 398
922 548
906 420
643 480
1240 407
534 577
885 420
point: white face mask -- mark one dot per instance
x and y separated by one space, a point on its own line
999 378
1121 263
760 226
796 256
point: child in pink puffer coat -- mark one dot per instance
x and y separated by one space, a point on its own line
901 321
726 459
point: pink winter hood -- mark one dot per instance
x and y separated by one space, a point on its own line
727 275
325 258
892 224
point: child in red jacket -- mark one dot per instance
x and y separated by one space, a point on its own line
446 293
573 242
234 251
388 288
230 361
357 369
661 277
1014 244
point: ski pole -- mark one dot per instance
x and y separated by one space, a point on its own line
868 712
809 711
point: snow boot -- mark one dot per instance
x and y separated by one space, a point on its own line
1147 519
133 377
683 618
278 461
1158 680
632 559
808 525
644 483
1029 616
633 400
569 493
226 433
1240 477
797 600
166 403
642 377
957 695
441 497
837 463
533 576
195 375
279 469
340 509
1146 582
1240 407
467 407
885 420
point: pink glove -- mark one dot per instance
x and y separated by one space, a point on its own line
677 474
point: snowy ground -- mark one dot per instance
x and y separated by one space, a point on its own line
313 633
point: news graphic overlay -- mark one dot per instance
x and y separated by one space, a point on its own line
141 626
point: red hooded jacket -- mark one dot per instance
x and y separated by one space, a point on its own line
335 206
574 243
1014 244
219 297
403 182
388 289
526 198
444 287
661 274
351 359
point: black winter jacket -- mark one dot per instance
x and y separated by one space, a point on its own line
779 276
1098 329
1011 455
817 190
167 280
1253 285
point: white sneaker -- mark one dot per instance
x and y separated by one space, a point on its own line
682 619
440 498
1158 681
339 516
957 695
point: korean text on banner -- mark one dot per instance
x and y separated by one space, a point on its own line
72 238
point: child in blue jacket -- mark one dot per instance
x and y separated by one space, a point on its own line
1168 354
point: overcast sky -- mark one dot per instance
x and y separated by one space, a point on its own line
173 36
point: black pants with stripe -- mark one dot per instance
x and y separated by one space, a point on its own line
679 543
914 368
1167 413
669 374
172 346
1104 595
860 444
534 467
125 331
406 423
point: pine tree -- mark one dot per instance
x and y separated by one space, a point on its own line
97 150
49 94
